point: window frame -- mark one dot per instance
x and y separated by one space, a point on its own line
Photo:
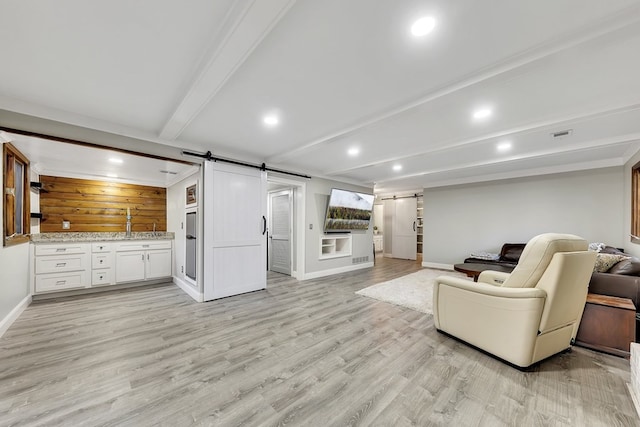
10 155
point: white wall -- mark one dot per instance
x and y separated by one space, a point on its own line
318 191
14 275
176 211
462 219
378 217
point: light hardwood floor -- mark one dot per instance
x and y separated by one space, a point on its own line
300 353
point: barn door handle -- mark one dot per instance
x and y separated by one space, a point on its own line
264 225
414 226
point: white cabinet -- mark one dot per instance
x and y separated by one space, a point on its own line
378 243
130 266
101 264
60 267
68 266
145 260
158 264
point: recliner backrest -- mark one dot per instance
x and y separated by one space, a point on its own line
537 255
566 282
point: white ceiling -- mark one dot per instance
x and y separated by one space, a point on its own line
53 158
340 74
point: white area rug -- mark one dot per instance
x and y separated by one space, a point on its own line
414 291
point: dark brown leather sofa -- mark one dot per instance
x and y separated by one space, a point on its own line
622 280
509 256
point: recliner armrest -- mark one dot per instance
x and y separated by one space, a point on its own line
492 290
491 277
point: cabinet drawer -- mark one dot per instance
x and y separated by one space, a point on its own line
61 249
101 277
101 247
60 281
53 264
101 260
143 245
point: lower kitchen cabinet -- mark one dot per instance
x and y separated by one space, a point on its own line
142 265
143 261
129 266
68 266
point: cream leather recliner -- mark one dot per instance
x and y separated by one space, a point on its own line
527 315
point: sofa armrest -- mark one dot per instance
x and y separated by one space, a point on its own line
491 277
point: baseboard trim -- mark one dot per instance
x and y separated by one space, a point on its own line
437 265
188 289
332 271
14 314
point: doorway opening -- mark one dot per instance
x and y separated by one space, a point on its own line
286 213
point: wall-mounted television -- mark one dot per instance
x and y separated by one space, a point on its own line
348 210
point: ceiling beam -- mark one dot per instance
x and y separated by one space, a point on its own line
562 122
245 27
592 31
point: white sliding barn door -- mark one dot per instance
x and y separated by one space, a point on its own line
235 249
405 234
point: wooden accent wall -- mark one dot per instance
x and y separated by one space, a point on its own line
100 206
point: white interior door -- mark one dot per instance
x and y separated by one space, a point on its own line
405 234
235 226
280 231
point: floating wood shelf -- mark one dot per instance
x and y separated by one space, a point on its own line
36 186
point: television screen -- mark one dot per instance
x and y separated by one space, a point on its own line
348 210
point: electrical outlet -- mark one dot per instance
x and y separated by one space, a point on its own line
310 226
182 268
66 225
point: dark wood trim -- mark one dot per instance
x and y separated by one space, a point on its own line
8 220
635 203
94 145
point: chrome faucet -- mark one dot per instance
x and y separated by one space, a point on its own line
128 229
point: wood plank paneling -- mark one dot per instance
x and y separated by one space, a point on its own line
100 206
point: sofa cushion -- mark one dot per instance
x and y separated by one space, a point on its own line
605 261
627 267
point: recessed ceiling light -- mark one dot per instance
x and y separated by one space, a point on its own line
504 146
397 168
271 120
354 151
423 26
112 175
116 160
482 114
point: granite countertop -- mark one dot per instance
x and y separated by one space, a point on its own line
99 237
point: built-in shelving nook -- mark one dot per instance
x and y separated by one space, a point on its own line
335 246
